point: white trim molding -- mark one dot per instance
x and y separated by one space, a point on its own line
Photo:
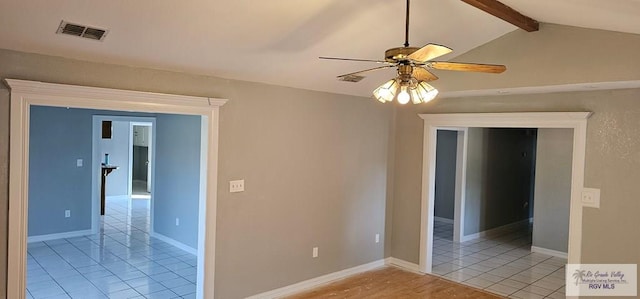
318 281
550 252
65 235
432 122
496 230
175 243
402 264
25 94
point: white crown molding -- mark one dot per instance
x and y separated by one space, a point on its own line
95 93
541 89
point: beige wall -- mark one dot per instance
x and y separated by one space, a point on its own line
500 164
554 152
315 168
552 56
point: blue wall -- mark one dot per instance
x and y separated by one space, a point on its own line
58 137
445 189
177 177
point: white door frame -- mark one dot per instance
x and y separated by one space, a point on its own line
432 122
461 180
24 94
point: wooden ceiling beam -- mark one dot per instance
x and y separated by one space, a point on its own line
498 9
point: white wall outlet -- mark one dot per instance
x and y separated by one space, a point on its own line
315 252
67 213
177 221
79 163
377 238
236 186
591 197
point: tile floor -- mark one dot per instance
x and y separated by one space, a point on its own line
502 264
139 188
123 261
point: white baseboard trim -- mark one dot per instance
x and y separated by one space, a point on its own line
175 243
441 219
551 252
402 264
49 237
495 230
316 282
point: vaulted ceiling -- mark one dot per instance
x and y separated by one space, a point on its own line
278 42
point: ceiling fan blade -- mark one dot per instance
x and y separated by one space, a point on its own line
367 70
468 67
354 59
429 52
423 75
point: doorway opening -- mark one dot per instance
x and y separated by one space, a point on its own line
27 94
575 123
141 154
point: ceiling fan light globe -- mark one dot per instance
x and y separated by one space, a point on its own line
426 92
416 97
404 96
387 91
431 95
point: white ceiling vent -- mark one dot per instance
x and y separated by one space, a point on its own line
350 78
82 31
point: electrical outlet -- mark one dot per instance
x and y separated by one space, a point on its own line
236 186
177 221
591 197
315 252
79 163
377 238
67 213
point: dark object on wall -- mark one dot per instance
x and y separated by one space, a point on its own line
106 129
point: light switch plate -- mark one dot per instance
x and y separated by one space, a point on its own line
236 186
591 197
79 163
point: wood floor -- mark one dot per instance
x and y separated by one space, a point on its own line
391 282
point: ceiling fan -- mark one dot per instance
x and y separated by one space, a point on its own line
413 65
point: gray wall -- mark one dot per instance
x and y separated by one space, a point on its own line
499 177
315 167
177 177
445 187
57 139
553 189
118 149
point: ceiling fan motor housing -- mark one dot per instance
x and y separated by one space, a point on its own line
395 55
405 74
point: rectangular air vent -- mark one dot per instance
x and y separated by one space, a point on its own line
82 31
351 78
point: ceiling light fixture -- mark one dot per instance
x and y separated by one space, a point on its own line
414 65
405 88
